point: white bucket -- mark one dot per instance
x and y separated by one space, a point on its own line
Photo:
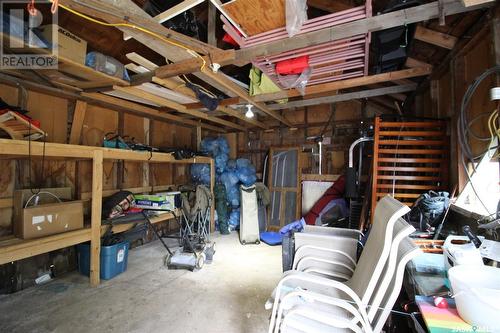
476 291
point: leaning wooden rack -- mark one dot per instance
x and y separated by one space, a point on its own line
13 249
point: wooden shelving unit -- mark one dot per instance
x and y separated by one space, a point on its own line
12 249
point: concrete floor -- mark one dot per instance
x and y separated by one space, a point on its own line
227 296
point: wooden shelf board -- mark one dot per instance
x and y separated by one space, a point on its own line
20 148
15 248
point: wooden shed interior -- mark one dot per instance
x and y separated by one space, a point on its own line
273 129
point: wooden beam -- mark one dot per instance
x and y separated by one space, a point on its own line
142 110
177 107
211 26
243 94
412 63
468 3
140 60
171 84
176 10
126 11
435 38
96 213
77 124
345 97
344 84
112 103
370 24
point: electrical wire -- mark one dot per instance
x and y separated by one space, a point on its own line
136 27
463 129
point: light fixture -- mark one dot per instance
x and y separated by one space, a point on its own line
249 113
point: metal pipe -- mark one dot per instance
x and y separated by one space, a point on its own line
320 144
353 145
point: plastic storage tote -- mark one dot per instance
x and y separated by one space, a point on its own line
113 259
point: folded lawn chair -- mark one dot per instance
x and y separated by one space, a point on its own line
320 313
320 249
361 285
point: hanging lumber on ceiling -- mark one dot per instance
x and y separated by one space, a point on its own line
176 10
147 111
375 23
170 83
177 107
345 97
256 16
344 84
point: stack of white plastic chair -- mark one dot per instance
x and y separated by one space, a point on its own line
313 311
297 291
332 251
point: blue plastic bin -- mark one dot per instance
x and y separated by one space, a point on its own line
113 259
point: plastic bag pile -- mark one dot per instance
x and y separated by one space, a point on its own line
231 173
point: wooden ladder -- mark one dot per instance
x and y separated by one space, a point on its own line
18 127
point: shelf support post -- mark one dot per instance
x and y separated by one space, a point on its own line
95 238
212 206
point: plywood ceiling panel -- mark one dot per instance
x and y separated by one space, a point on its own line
256 16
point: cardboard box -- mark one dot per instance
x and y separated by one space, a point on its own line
158 201
21 197
50 219
70 46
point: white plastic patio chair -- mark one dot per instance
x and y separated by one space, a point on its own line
319 313
321 251
361 285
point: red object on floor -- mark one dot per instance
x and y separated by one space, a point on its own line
336 191
292 66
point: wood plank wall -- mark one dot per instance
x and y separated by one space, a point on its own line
55 115
444 96
309 122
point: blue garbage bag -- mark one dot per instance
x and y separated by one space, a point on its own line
295 226
233 196
220 162
222 146
208 145
231 165
200 173
229 179
234 219
246 176
243 163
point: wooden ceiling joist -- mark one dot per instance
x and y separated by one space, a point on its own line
345 97
243 94
435 38
171 84
412 63
177 107
147 111
345 84
370 24
126 11
140 60
113 103
176 10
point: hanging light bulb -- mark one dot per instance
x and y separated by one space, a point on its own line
249 113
